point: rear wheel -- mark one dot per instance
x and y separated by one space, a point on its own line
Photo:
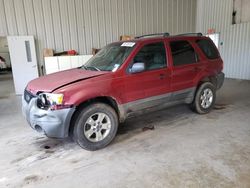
205 98
95 126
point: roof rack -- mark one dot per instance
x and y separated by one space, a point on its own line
190 34
155 34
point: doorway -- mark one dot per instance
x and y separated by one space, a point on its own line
18 63
23 60
6 78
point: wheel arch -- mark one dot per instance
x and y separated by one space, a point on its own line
211 79
101 99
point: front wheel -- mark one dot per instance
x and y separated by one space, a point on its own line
95 126
205 98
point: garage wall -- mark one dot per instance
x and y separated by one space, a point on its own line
235 49
84 24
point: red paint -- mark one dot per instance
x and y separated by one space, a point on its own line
52 81
125 87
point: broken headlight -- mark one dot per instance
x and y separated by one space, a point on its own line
50 101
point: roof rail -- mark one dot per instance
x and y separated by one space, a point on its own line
190 34
155 34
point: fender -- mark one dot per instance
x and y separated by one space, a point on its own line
86 90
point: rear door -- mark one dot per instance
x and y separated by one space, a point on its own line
185 64
185 67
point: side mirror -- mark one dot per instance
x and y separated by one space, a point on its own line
137 67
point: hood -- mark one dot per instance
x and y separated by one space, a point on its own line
54 81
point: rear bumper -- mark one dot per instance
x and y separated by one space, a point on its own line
51 123
220 80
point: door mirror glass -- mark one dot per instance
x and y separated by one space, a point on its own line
137 67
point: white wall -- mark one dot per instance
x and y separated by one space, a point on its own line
235 51
83 24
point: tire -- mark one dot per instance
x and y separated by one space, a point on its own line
95 126
204 99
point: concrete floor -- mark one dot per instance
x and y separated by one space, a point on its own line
184 150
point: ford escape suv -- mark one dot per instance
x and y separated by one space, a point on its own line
123 79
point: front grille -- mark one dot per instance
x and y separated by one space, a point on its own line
28 96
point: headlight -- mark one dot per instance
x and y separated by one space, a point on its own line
49 100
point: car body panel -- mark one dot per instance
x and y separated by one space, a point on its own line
132 93
53 81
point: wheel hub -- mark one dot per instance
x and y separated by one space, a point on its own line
97 127
206 98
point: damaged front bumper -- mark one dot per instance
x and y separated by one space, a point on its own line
53 123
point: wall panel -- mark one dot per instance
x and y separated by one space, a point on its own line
84 24
235 50
80 27
48 24
3 22
57 25
73 24
10 16
20 17
41 39
30 17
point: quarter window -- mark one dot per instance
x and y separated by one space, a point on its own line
183 53
208 48
153 55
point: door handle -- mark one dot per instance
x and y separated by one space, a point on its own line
196 69
162 76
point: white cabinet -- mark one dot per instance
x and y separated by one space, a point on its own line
60 63
51 65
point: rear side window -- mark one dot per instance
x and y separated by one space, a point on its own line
208 48
183 53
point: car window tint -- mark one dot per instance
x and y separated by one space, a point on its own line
153 55
208 48
183 53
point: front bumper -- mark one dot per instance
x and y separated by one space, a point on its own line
52 123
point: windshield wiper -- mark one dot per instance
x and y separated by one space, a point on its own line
94 68
90 67
84 67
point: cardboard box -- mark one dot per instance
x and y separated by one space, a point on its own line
126 37
95 50
47 52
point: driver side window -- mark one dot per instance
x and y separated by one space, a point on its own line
152 55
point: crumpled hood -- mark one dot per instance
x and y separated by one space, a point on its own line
54 81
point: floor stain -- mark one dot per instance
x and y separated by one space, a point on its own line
17 160
220 106
32 179
49 151
74 161
148 128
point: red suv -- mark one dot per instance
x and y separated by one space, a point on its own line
124 79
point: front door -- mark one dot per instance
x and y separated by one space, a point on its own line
23 61
153 84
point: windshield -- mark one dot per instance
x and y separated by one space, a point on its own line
110 58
